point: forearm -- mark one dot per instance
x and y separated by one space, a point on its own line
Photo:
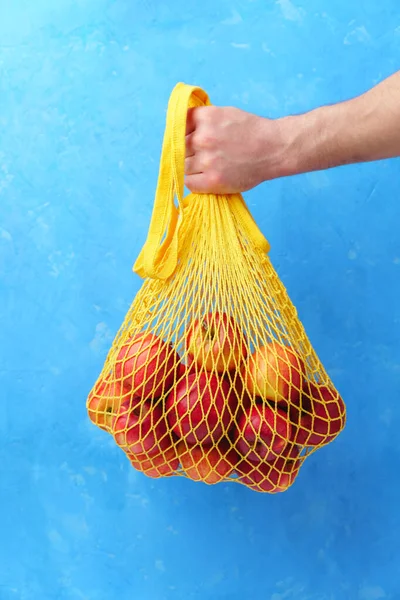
230 151
363 129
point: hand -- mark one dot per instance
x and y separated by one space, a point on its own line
229 150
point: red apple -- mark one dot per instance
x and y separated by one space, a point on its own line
141 428
275 372
187 369
238 383
104 402
263 433
146 365
308 392
240 399
199 408
216 343
210 465
325 420
163 464
273 477
303 405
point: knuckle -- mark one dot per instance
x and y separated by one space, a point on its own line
189 143
205 139
215 179
212 111
206 161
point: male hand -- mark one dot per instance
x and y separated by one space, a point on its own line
229 150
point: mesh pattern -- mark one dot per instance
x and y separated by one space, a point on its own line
211 375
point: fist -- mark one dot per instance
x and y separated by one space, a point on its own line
229 150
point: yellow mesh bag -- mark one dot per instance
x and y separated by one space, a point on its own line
212 375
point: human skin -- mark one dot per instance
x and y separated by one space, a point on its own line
229 150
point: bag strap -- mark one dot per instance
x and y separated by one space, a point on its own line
159 256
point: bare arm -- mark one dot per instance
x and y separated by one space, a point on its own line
229 150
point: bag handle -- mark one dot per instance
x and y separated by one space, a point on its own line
159 256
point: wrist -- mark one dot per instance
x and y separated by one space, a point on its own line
323 138
276 147
291 145
307 142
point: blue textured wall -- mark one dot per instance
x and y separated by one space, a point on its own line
83 90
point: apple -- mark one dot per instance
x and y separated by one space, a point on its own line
164 464
104 402
186 369
263 433
325 419
140 428
237 380
303 405
309 391
240 400
275 372
210 465
146 365
199 408
216 343
273 477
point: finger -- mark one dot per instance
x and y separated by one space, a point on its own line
190 151
192 166
210 182
197 183
191 120
194 117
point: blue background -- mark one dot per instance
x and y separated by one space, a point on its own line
83 91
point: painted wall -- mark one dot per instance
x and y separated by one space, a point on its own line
83 91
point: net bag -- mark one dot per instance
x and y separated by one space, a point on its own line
211 375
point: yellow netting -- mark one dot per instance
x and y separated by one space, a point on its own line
212 375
